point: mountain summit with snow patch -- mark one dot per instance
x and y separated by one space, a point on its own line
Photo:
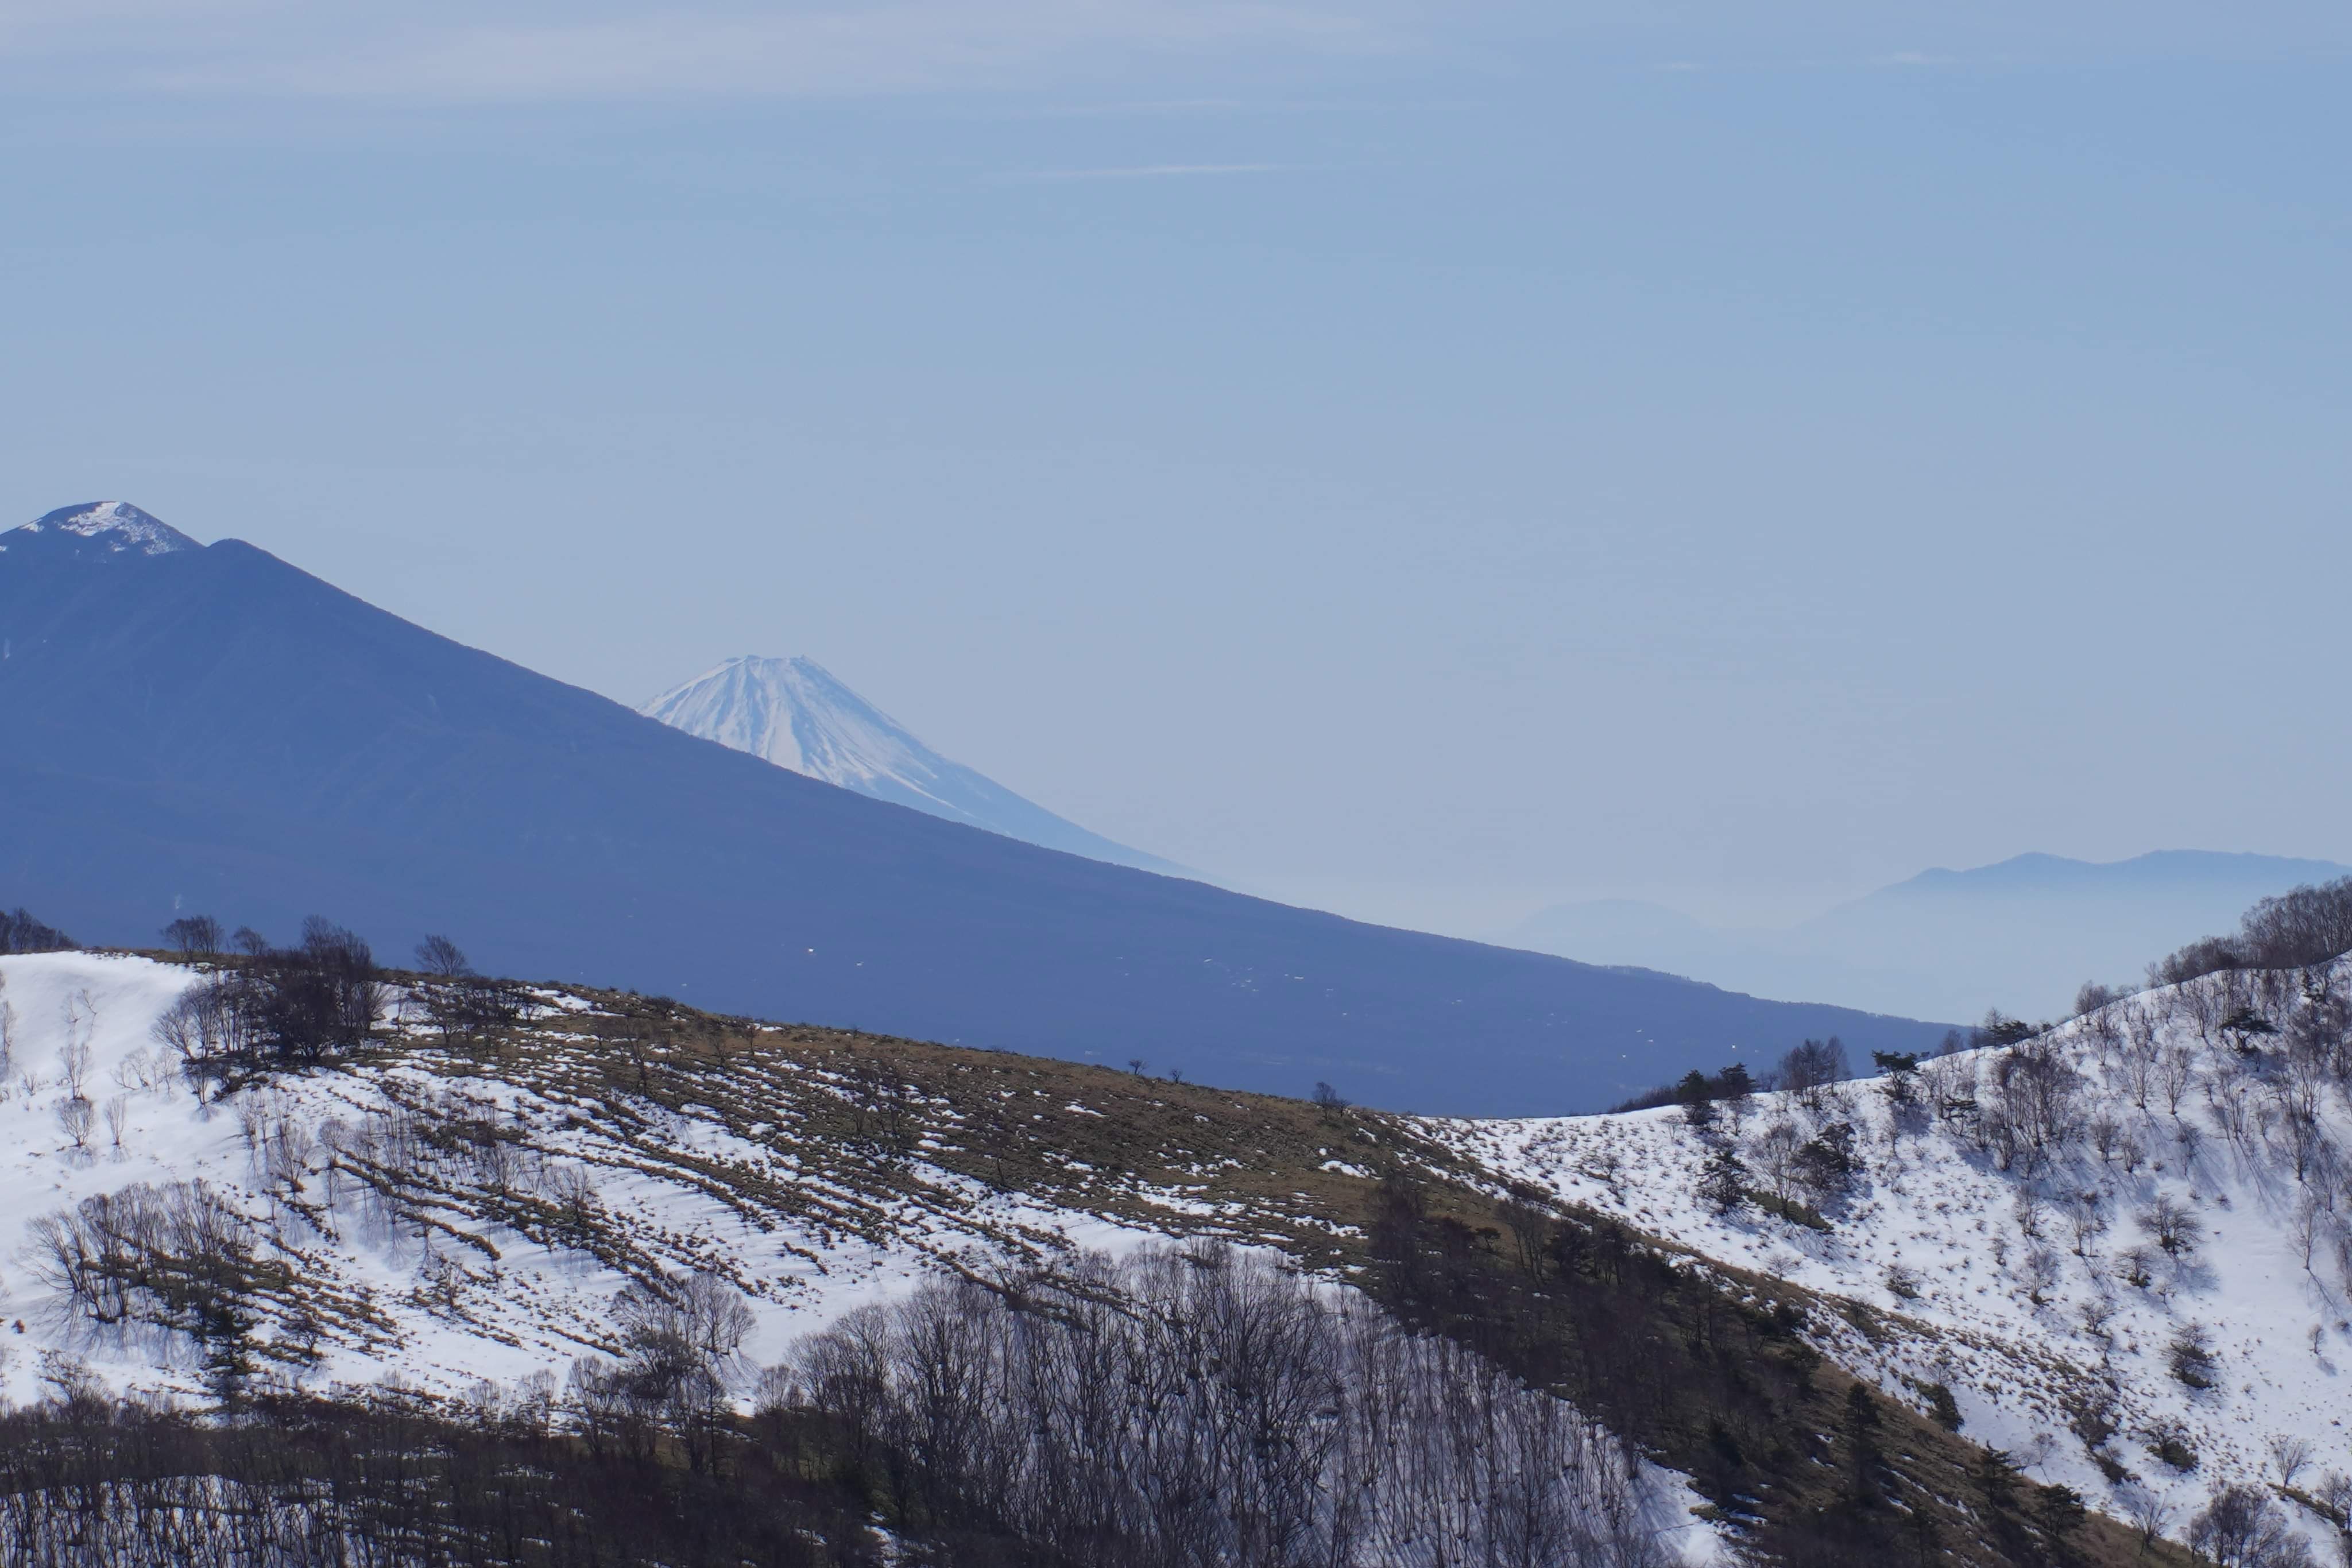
797 715
97 528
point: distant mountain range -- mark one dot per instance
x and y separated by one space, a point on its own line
208 729
2022 935
796 713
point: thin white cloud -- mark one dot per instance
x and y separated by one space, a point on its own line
1902 59
529 49
1139 171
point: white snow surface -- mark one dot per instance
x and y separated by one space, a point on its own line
1932 1204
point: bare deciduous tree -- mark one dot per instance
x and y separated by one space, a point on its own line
442 959
2086 1217
2289 1456
73 1066
2149 1515
2176 1074
2169 1225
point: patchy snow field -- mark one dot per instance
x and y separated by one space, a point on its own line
438 1295
2030 1282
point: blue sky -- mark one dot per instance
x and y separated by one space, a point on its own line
1421 460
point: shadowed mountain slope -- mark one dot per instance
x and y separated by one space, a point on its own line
208 728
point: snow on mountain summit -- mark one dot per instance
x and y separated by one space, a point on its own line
115 528
796 713
799 716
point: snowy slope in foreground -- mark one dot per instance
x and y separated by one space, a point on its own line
1942 1253
439 1293
795 714
450 1213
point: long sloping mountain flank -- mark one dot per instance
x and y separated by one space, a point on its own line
210 729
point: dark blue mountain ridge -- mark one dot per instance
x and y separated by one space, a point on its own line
207 728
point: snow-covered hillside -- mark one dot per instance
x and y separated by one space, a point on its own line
462 1213
442 1221
2118 1251
2123 1249
795 714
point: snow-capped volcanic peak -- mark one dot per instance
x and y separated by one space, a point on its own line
796 714
117 527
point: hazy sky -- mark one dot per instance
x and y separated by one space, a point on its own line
1424 460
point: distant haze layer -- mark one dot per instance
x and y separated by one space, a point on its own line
2022 935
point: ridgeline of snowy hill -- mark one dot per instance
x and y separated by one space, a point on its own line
797 715
2122 1250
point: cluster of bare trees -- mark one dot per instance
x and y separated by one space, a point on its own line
20 932
681 1358
282 1005
2296 930
1206 1408
2035 1107
2241 1527
391 1480
2268 1050
1806 1157
177 1258
2271 1048
456 1000
1815 1166
197 936
1179 1409
1808 1067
